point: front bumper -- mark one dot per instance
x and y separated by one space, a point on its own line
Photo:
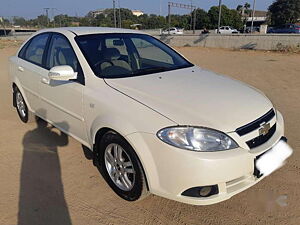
170 171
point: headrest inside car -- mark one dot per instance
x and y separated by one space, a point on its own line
111 54
118 42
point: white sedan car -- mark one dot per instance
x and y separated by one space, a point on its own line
172 30
227 30
155 122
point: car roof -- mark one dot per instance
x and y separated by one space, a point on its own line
91 30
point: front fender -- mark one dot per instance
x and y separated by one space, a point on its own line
113 122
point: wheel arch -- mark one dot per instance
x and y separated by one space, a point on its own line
16 84
102 131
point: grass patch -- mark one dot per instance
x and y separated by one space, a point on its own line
287 48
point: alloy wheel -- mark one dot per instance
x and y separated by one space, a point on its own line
119 167
20 104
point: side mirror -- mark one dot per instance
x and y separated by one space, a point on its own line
63 73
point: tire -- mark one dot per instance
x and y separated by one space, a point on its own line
19 102
126 179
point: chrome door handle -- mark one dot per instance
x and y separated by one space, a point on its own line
45 80
21 69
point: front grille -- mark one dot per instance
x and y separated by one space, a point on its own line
255 124
261 139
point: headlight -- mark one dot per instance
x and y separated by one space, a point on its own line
196 139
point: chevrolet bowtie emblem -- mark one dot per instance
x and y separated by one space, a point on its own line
264 128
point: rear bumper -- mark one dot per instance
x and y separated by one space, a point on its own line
170 171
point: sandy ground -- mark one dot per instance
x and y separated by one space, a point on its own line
65 188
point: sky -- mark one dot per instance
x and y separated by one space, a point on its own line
33 8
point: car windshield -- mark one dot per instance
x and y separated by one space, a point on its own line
121 55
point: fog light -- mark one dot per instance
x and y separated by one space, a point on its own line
204 191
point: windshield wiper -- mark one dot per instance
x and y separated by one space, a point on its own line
151 70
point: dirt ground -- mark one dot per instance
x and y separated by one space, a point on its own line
65 188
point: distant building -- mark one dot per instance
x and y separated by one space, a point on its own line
75 24
137 12
260 17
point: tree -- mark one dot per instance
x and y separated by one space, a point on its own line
247 6
284 11
40 21
244 9
236 19
20 21
202 19
239 8
230 17
6 22
62 20
151 21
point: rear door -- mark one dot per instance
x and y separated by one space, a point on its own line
30 68
62 101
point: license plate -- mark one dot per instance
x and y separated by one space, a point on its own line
274 158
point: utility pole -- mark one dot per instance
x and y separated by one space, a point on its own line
183 6
114 7
192 18
120 23
220 13
59 17
52 12
47 14
194 26
253 13
160 8
169 16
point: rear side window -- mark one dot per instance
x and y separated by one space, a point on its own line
23 50
35 49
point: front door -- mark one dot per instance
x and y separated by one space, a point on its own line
62 101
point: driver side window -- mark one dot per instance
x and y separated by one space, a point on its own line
61 53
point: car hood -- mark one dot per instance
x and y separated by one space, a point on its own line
196 97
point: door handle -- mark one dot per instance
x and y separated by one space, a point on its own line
21 69
45 80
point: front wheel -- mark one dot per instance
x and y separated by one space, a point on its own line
121 168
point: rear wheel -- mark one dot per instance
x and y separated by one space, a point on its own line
121 168
21 106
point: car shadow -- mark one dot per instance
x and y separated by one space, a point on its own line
42 198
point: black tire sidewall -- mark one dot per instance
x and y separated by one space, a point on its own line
23 118
137 190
